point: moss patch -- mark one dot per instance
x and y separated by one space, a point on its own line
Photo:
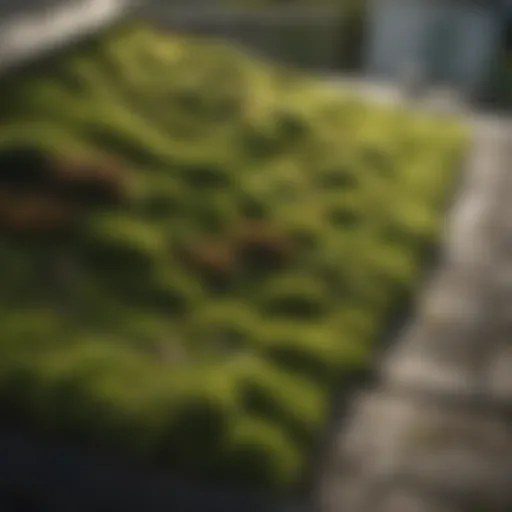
196 246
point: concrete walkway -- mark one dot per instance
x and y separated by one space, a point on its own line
435 434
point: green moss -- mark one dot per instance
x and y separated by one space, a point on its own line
225 328
167 326
200 422
260 455
295 297
288 399
310 350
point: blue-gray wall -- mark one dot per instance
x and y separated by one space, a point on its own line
401 31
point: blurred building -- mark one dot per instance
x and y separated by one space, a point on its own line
449 42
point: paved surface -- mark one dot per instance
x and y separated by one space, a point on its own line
435 435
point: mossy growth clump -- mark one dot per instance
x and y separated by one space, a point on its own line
196 248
